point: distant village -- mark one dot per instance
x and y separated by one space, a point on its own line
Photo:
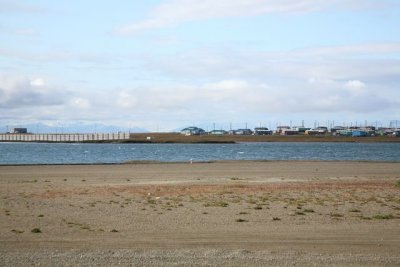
353 131
23 135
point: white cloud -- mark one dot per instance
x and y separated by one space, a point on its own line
27 32
60 56
241 96
18 6
337 64
80 103
19 91
205 85
37 82
19 31
355 86
366 49
174 12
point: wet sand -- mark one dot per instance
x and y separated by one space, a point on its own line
224 213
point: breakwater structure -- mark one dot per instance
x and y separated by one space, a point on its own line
82 137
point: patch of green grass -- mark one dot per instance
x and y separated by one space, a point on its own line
383 217
308 210
243 212
241 220
397 183
258 207
276 219
299 213
40 215
36 230
114 231
235 178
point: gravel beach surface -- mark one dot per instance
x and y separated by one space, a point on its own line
263 213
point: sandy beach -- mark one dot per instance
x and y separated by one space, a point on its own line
220 213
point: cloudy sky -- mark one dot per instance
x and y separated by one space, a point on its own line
164 64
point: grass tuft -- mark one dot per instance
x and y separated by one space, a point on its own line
354 210
241 220
217 204
36 230
383 217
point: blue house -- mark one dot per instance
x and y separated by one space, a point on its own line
358 133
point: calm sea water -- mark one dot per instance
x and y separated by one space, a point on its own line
41 153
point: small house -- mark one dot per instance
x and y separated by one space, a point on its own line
243 132
262 131
358 133
192 131
20 130
218 132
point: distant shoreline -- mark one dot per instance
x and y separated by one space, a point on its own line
177 138
226 139
155 162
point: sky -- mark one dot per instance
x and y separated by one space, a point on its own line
162 65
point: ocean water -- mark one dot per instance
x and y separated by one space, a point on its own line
59 153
